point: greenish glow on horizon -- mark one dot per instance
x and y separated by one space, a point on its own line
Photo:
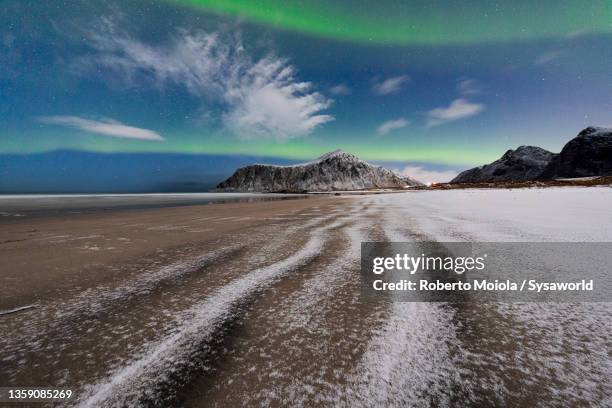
298 149
429 23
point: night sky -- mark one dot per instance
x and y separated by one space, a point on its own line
425 87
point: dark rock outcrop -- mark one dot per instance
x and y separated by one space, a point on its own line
588 154
524 163
334 171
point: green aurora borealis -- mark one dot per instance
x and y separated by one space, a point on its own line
421 22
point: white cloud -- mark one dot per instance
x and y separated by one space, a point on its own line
390 85
256 98
106 127
458 109
391 125
272 104
577 34
427 176
468 87
547 57
340 90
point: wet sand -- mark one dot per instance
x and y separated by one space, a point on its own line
259 304
44 205
50 253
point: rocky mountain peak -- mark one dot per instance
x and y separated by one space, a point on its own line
338 153
588 154
595 131
333 171
523 163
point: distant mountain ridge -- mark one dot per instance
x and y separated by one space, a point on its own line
333 171
588 154
83 172
524 163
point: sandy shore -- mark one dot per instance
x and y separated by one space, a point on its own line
260 304
44 257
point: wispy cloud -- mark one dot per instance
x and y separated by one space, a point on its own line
427 176
547 57
261 98
467 87
340 90
106 127
458 109
267 101
391 125
390 85
577 34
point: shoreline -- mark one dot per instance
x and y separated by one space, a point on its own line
53 205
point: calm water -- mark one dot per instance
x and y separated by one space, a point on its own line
44 204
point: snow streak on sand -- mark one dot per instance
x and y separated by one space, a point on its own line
409 358
94 301
167 363
304 307
408 361
17 309
305 317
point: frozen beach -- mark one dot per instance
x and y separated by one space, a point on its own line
259 304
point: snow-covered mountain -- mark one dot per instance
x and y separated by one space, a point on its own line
333 171
588 154
524 163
